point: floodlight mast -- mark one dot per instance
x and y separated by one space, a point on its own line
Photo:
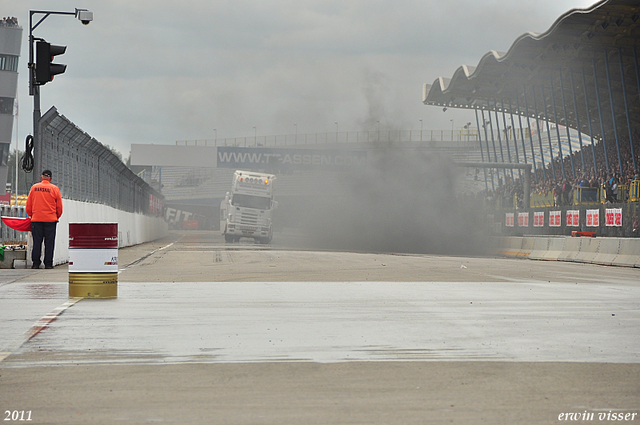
85 16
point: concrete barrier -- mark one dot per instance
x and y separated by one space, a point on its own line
527 247
588 250
571 249
540 248
511 247
556 246
608 250
629 255
623 252
133 228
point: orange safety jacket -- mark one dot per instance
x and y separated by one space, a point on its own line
44 202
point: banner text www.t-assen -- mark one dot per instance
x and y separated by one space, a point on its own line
262 158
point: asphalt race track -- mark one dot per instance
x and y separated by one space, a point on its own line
208 332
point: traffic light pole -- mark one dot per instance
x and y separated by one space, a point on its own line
34 89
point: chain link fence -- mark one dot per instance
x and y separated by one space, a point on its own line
87 171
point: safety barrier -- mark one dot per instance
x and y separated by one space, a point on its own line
586 196
623 252
542 200
7 233
634 191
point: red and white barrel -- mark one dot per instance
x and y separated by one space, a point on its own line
93 260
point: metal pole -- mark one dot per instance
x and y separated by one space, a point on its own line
635 55
566 125
555 114
586 99
613 112
506 137
535 110
34 90
533 153
575 111
546 119
486 137
515 139
604 144
486 184
495 109
626 109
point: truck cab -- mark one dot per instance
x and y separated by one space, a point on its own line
247 210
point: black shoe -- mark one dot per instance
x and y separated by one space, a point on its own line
48 267
35 267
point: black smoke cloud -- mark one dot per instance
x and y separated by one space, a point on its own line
402 200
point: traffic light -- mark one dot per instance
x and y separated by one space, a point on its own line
45 69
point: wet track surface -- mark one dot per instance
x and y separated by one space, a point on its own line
222 312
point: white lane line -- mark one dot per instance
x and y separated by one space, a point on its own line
37 327
145 257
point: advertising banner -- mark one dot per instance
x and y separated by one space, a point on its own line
538 219
613 217
555 218
508 221
573 218
593 218
287 158
523 219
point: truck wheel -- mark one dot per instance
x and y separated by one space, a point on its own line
228 238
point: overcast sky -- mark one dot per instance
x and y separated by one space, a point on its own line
159 71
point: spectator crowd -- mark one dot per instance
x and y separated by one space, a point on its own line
9 22
561 188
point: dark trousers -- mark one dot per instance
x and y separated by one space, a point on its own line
43 231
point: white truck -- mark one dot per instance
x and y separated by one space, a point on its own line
247 211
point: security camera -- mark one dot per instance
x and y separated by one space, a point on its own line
84 16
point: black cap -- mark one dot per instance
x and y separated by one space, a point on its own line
46 173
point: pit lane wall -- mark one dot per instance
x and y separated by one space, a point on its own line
623 252
546 233
133 228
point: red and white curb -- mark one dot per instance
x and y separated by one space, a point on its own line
37 327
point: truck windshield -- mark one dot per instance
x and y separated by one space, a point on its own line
250 201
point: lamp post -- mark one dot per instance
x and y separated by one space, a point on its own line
255 136
421 130
85 17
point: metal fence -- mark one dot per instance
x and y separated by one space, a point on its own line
87 171
457 137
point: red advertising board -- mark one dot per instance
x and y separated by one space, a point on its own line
538 219
613 217
593 218
523 219
555 218
508 221
573 218
5 199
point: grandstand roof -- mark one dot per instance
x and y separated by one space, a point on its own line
584 48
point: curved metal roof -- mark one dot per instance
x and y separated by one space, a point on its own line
559 72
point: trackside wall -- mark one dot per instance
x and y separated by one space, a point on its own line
133 228
623 252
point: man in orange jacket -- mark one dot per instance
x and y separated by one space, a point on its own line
44 206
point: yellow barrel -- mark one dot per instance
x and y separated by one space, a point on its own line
93 285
